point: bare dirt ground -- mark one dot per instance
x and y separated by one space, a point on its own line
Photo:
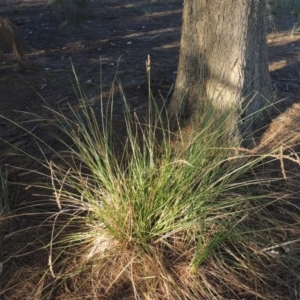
114 42
116 39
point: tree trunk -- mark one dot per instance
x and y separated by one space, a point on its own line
223 61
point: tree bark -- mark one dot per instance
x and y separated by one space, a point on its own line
223 61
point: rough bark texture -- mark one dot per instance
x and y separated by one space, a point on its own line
223 59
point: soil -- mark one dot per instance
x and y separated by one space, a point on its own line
112 43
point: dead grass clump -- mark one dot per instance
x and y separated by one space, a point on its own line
9 38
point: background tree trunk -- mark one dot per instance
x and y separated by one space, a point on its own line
223 60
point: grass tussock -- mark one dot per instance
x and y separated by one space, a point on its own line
9 39
4 194
73 11
162 215
279 9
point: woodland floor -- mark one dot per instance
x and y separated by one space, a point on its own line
120 34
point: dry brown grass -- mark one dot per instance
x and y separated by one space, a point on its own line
9 39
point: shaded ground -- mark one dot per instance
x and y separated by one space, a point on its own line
118 36
113 43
